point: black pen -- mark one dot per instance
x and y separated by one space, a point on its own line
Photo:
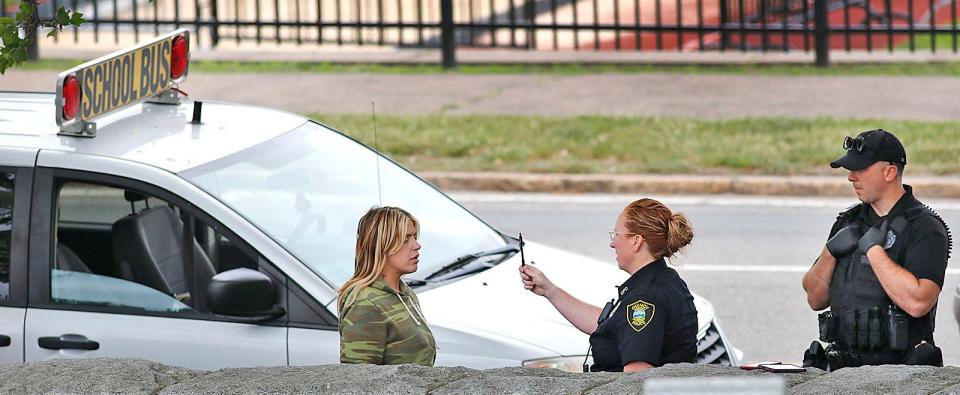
523 261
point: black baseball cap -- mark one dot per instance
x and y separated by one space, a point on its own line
870 147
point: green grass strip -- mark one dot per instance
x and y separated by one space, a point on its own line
943 42
884 69
626 145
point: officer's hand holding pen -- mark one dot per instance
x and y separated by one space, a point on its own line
534 280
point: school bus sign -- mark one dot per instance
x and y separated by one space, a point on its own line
119 80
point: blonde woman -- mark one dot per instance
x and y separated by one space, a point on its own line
380 318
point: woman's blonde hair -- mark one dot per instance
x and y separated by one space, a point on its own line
380 233
666 232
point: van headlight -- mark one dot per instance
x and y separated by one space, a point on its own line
568 364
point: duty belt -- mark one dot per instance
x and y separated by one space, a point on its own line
874 329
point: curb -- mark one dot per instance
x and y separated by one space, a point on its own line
944 187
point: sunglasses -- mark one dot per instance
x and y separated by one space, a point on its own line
853 144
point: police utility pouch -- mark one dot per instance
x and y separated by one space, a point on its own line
844 241
874 342
828 328
863 331
896 328
849 334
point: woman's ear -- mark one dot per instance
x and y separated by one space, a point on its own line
637 243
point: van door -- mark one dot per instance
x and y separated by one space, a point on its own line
123 272
314 337
11 335
14 231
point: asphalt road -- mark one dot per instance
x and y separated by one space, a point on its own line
748 257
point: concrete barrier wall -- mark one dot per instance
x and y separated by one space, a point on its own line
138 376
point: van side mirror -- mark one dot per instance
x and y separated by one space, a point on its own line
243 294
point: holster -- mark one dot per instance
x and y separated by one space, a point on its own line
924 354
837 359
815 357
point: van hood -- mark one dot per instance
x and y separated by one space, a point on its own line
494 302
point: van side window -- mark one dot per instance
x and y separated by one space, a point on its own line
120 247
6 229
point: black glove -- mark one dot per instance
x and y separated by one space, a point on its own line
874 236
844 241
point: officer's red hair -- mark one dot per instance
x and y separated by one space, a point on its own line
666 232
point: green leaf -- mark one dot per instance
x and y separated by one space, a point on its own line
6 20
53 33
4 28
77 19
4 63
10 38
19 55
63 17
26 9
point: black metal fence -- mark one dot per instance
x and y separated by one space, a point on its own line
619 25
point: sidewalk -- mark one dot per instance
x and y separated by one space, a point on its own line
697 95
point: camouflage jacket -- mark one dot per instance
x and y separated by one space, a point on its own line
385 327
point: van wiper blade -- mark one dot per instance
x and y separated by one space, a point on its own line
467 259
414 283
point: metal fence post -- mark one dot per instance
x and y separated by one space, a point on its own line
724 37
448 43
530 10
215 25
822 33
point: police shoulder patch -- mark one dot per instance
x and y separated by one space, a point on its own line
639 314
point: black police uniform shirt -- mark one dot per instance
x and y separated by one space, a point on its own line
922 249
654 321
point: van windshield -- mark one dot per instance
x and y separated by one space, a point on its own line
308 188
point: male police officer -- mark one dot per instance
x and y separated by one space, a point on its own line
882 268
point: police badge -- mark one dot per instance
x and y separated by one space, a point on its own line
891 238
639 314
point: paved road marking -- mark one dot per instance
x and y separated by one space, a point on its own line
761 268
708 200
743 268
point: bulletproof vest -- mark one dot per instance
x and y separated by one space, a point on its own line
854 288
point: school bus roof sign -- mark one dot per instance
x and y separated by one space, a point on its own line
120 79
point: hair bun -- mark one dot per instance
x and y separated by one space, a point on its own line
679 233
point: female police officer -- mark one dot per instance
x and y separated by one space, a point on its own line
653 321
